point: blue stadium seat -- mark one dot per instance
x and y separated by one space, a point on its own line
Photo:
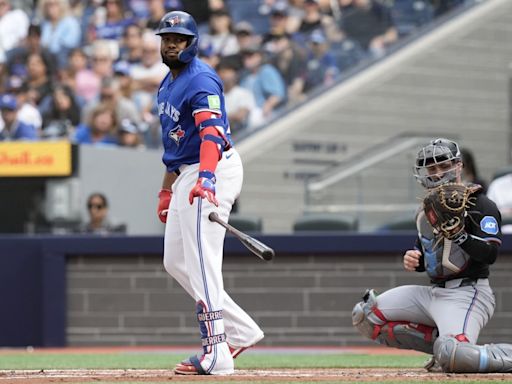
408 15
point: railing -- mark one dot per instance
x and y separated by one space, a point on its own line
401 146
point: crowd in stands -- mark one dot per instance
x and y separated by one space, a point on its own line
89 70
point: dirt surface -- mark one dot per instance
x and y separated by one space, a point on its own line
270 375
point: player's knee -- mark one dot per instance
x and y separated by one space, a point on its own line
454 355
361 318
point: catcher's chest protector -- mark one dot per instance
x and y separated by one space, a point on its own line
443 258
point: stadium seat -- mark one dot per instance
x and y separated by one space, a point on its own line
246 223
325 222
408 15
407 223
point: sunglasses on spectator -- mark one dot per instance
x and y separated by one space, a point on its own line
96 206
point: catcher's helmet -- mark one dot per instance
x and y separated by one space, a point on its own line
183 24
441 152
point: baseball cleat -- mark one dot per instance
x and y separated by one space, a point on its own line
191 366
236 351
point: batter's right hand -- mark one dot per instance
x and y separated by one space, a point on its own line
412 259
164 197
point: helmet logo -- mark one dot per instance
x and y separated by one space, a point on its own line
175 20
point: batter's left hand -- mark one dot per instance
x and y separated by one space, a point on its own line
204 188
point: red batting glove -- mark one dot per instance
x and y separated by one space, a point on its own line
164 197
204 188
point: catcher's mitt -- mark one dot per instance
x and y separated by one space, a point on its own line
445 207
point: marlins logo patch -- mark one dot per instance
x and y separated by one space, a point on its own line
489 225
177 134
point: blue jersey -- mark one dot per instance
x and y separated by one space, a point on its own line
196 89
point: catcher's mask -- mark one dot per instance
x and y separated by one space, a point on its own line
444 154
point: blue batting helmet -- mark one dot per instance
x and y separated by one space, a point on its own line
184 24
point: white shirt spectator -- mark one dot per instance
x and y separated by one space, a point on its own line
238 98
13 29
500 191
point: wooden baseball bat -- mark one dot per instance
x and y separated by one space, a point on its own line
261 250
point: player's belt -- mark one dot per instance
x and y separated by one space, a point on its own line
455 283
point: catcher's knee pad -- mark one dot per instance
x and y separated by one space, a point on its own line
458 356
371 322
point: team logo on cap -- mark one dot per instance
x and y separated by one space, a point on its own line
175 20
177 134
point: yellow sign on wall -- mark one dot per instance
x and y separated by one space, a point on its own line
29 158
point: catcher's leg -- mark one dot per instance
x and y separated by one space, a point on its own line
460 356
371 322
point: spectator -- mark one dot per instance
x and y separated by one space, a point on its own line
27 112
240 105
156 10
13 27
102 60
99 223
129 135
60 31
245 35
469 169
110 95
368 23
14 129
110 22
84 82
278 21
312 18
220 36
500 191
148 75
101 128
17 57
207 54
61 112
38 79
132 44
290 61
322 68
263 80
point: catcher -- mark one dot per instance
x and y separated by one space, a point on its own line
458 238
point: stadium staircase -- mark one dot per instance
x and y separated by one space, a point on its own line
451 81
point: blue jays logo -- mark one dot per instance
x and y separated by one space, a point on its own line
175 20
489 225
177 134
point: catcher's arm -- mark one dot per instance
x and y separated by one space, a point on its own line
482 245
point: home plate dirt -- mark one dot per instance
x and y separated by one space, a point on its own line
270 375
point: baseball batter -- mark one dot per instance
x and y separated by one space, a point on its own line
443 319
204 173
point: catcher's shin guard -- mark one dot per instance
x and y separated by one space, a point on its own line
463 357
370 322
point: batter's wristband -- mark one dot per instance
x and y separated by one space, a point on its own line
207 175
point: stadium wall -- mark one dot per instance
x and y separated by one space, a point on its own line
113 290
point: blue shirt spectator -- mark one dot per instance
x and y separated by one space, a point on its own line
13 128
60 32
100 129
263 80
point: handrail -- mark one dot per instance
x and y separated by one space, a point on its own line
365 159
